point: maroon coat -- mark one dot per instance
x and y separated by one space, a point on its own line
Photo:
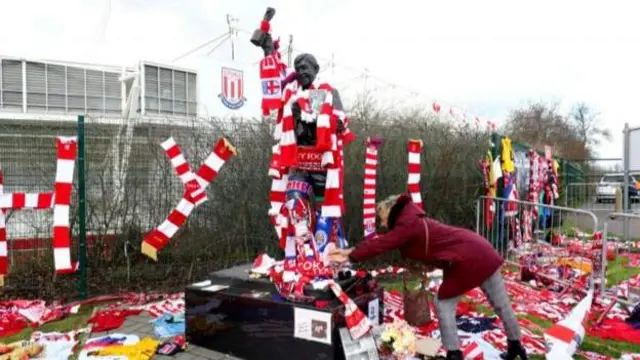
466 258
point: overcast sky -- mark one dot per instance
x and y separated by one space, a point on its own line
484 56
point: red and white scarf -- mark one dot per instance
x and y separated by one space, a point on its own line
65 164
370 172
414 147
272 72
285 153
531 212
326 125
195 186
66 159
357 323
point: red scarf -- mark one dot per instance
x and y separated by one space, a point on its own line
272 72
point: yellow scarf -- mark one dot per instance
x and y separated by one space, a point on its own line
507 159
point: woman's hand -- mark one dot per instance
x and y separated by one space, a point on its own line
339 255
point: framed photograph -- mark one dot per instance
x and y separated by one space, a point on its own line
312 325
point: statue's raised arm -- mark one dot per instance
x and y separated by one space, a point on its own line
262 37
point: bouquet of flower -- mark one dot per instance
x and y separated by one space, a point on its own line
397 341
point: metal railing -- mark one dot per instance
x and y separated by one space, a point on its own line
541 240
597 197
613 238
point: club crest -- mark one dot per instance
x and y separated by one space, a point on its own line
232 95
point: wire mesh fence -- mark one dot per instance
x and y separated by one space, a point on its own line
131 188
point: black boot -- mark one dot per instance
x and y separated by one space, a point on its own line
514 350
454 355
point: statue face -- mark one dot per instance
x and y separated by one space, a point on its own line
305 72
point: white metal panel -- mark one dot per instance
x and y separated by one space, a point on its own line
75 90
12 84
56 88
36 87
168 90
112 93
634 149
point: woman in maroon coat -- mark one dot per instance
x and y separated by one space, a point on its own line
466 259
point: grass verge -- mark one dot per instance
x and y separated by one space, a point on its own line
618 271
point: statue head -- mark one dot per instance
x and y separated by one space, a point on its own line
306 67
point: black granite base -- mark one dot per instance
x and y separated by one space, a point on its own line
249 320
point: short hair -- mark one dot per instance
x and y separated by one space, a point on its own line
306 57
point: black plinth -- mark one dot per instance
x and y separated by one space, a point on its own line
251 321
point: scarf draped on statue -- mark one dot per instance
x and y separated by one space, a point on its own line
328 141
272 73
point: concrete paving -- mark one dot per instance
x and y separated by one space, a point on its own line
141 326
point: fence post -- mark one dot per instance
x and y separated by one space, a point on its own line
82 212
564 182
497 236
626 207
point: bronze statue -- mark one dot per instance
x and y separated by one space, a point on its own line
311 113
306 70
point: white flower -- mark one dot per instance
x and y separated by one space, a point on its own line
385 337
398 347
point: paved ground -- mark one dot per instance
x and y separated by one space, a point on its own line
139 325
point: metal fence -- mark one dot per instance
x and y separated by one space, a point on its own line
131 188
596 196
541 240
616 244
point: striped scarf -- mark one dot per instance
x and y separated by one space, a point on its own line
272 73
414 147
369 197
331 144
326 125
59 200
195 185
